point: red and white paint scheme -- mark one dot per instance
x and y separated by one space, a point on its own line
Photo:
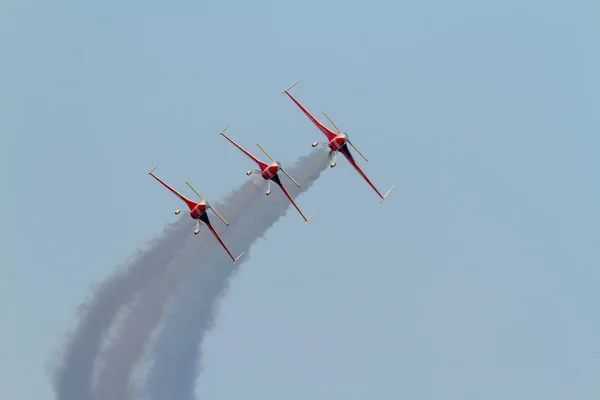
336 142
268 172
198 212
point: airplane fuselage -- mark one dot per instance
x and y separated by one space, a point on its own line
337 142
196 212
270 171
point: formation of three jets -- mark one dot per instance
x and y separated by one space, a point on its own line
337 142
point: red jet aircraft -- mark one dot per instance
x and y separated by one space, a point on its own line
336 142
198 212
268 172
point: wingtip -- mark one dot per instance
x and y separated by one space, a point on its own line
388 192
312 215
238 257
152 170
286 90
223 131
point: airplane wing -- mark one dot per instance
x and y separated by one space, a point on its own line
326 131
216 235
344 150
191 204
260 164
276 179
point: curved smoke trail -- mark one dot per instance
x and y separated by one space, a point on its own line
178 350
73 378
119 359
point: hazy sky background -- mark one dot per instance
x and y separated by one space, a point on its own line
478 276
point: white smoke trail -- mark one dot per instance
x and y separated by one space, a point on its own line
119 359
73 378
177 353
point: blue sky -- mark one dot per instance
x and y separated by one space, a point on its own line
476 278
